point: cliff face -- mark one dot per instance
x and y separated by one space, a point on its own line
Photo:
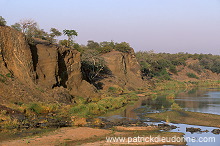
53 73
42 70
60 67
15 55
125 70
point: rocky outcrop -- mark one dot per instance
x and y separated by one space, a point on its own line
45 64
52 70
15 55
58 66
125 70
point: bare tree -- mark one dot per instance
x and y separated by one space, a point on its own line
28 26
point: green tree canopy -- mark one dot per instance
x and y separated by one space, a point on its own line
17 26
2 21
92 44
123 47
55 32
70 34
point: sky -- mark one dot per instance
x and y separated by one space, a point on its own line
169 26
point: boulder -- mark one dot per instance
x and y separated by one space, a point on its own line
193 130
216 131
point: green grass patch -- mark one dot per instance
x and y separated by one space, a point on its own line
102 106
2 78
192 75
186 117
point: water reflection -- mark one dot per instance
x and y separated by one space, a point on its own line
200 100
205 100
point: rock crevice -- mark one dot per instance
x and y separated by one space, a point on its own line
42 68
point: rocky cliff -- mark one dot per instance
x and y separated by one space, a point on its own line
125 70
15 55
42 71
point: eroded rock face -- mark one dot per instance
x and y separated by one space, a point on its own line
42 68
16 54
45 63
70 75
125 70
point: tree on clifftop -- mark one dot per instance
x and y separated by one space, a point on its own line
123 47
17 26
2 21
28 26
70 34
54 33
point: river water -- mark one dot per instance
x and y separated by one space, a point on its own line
203 100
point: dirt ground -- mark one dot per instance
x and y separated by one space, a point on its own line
88 137
59 136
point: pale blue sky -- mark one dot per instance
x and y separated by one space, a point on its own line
161 25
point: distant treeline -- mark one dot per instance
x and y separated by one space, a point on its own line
162 64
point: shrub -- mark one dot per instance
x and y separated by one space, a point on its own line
192 75
2 21
112 89
173 69
9 75
93 109
105 49
64 43
80 100
123 47
36 108
132 96
175 106
80 110
196 67
2 78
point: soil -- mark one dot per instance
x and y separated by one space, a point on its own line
90 136
59 136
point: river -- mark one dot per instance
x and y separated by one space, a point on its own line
203 100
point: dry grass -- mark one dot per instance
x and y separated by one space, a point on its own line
186 117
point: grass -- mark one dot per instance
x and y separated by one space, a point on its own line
97 108
192 75
2 78
93 108
86 109
34 107
15 134
186 117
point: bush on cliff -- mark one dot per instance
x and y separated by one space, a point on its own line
2 21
